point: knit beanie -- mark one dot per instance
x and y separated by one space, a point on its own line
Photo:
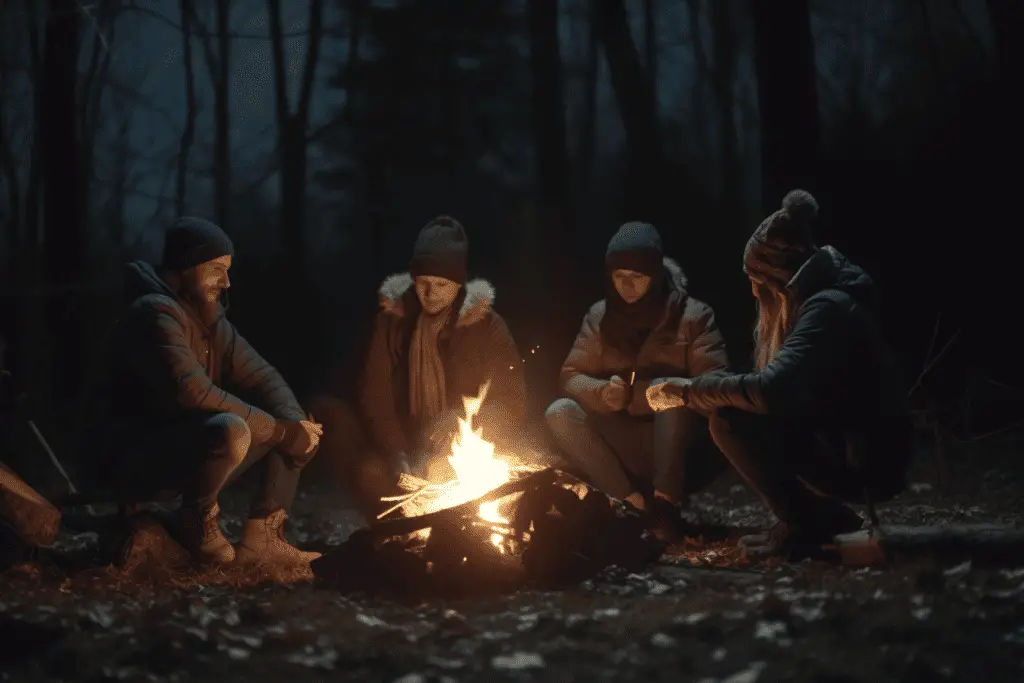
783 241
637 247
191 241
441 250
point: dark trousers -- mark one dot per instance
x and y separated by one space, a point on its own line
197 457
795 467
618 453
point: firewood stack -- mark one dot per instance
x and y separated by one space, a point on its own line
562 532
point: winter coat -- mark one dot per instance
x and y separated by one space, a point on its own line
166 364
475 346
833 369
686 342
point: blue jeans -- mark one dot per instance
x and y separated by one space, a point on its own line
671 452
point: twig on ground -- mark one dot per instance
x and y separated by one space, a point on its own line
933 361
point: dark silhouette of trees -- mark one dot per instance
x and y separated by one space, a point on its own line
787 97
293 131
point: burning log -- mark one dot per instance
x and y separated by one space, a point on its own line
562 532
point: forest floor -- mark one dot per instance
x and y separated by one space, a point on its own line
675 622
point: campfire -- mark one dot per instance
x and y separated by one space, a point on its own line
478 470
500 524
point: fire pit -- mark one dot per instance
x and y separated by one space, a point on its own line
502 524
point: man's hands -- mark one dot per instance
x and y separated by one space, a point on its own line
667 393
298 439
615 394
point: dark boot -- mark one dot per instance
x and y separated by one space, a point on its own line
197 528
805 534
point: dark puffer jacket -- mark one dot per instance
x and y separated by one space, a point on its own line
476 347
686 342
834 369
166 364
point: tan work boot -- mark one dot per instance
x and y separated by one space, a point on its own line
198 530
263 542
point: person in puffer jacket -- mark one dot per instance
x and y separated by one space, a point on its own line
437 340
823 419
191 405
646 327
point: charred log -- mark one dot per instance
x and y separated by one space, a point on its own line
562 532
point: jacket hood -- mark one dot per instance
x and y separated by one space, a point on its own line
827 268
677 278
141 279
477 298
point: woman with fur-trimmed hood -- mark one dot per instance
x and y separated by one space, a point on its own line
436 340
823 419
648 326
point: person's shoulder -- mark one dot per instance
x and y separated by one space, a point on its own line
154 303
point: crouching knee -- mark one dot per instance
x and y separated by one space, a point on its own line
229 434
564 417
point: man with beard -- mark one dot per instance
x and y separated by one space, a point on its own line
823 419
436 340
178 420
648 326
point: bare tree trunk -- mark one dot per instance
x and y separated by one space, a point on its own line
65 240
651 45
634 94
723 81
218 63
222 112
1007 19
588 138
10 171
787 97
554 214
189 132
292 132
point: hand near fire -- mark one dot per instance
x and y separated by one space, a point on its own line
667 393
298 440
615 394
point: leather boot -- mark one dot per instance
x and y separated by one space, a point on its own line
263 542
198 530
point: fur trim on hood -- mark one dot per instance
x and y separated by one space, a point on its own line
676 275
477 303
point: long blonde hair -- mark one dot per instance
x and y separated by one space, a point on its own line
772 322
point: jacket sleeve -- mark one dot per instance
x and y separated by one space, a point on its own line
706 352
505 405
377 395
792 384
581 366
253 376
173 358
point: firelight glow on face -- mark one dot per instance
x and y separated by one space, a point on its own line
630 284
435 293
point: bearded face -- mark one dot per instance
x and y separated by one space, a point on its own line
204 285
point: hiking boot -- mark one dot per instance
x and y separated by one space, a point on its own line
803 537
198 530
263 542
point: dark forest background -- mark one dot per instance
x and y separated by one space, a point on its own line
323 134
